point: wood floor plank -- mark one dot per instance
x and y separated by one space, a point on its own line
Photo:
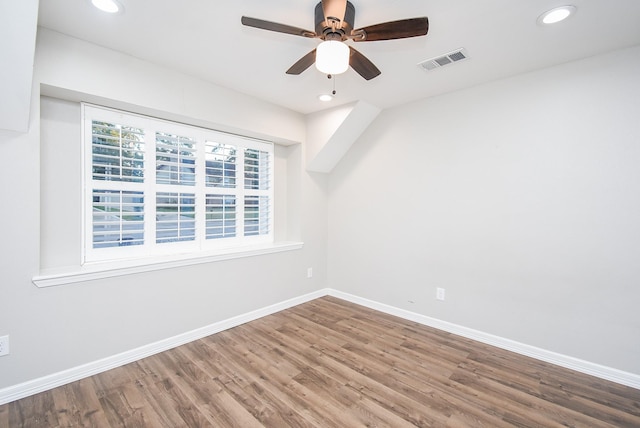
334 391
77 404
520 405
335 396
127 407
37 410
112 379
332 363
4 416
280 386
214 398
272 401
196 384
206 393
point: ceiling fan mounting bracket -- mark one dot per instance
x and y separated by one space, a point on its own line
334 25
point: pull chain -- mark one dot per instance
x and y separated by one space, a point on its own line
329 76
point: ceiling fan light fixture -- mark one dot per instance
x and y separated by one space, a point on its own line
109 6
332 57
556 15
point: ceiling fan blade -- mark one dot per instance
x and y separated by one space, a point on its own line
274 26
334 10
303 63
362 65
392 30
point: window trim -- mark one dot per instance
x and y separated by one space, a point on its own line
175 250
102 270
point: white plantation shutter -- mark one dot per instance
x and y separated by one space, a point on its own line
175 159
117 198
256 215
175 217
221 216
118 218
154 187
257 169
118 152
257 184
220 165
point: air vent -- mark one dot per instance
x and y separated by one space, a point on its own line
442 60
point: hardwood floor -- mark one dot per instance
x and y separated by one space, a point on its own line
330 363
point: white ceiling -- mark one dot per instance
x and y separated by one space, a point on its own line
204 38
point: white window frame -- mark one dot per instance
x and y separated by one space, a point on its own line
200 246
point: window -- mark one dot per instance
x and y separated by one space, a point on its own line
154 187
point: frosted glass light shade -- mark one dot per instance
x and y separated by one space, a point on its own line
332 57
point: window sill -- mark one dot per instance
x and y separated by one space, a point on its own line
91 272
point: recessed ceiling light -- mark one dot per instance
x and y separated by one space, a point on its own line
109 6
556 15
325 97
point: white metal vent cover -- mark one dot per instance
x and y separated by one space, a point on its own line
442 60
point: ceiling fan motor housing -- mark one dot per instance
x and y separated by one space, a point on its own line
325 27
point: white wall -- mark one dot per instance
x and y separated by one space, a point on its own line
520 197
17 46
58 328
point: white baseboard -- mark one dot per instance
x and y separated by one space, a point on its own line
45 383
597 370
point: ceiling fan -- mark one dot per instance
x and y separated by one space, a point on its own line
334 22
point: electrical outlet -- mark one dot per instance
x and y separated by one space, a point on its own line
440 293
309 272
4 345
